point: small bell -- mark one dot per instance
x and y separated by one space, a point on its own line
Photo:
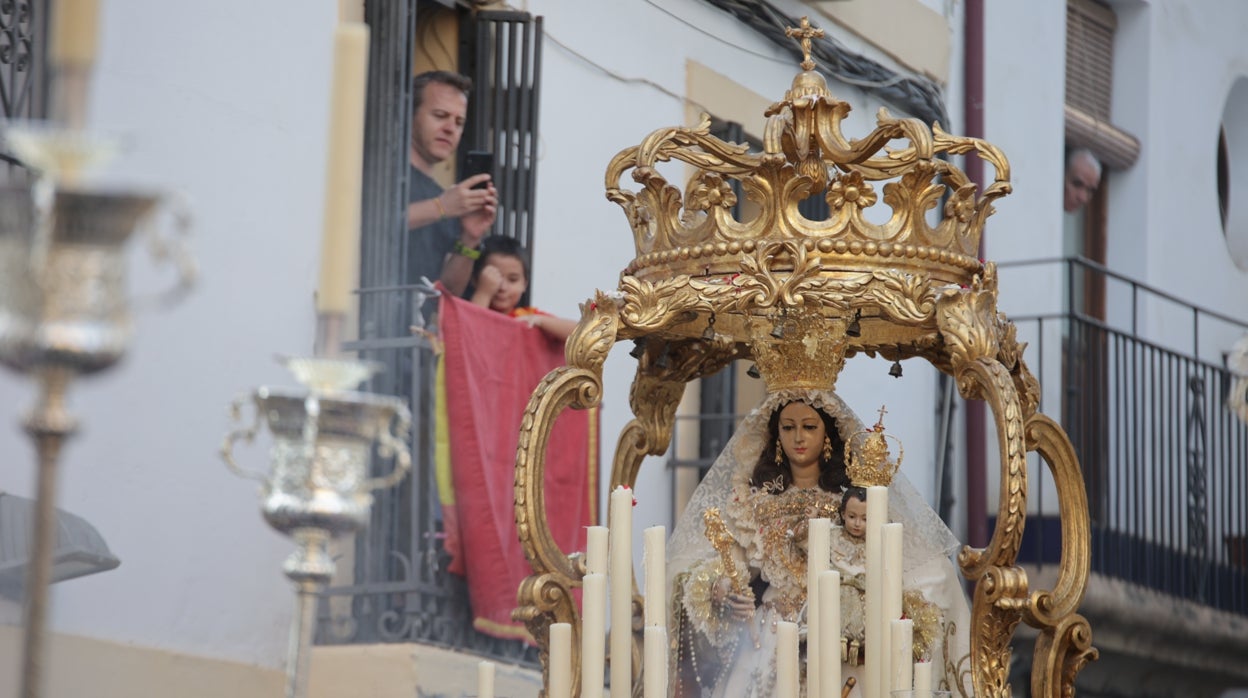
854 329
663 361
752 372
895 371
639 348
778 331
709 333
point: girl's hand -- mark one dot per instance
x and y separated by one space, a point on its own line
532 320
489 280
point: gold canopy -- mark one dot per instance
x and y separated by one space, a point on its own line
704 282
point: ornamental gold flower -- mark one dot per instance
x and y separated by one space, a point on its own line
851 189
709 191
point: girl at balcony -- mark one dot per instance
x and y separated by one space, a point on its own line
500 277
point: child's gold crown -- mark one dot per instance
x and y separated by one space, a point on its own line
866 456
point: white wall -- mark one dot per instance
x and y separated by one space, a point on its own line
225 102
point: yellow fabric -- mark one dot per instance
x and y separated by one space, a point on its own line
442 438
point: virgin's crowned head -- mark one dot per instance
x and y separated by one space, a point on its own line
799 434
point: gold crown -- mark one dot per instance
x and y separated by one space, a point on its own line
798 349
866 456
804 155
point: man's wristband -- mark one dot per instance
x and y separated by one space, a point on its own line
441 211
463 250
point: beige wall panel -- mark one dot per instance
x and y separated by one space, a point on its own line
907 30
80 666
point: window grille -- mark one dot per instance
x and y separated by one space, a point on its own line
504 60
23 71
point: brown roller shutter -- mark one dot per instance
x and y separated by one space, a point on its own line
1090 28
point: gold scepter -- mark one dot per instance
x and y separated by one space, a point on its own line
717 533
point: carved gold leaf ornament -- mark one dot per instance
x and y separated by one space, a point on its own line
707 287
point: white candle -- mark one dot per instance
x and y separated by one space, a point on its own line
485 680
560 660
655 563
73 39
830 634
877 515
922 680
654 667
350 10
340 240
593 624
596 546
622 591
786 659
902 651
891 611
818 552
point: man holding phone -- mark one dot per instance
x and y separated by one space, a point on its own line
446 225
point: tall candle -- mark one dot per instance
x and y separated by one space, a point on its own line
877 515
902 651
830 633
922 680
350 10
560 660
485 680
596 546
653 558
73 39
891 611
818 552
786 659
344 169
622 591
593 625
654 666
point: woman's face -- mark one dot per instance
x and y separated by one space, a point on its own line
801 434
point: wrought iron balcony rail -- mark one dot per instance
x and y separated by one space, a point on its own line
395 586
1164 459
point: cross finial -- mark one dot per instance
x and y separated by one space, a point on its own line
804 34
882 413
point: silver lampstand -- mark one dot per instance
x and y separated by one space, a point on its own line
317 486
64 313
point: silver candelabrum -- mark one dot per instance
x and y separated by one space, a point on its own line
64 313
318 486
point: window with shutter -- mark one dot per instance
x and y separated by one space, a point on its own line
1090 28
23 74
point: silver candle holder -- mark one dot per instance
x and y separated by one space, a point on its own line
317 486
64 313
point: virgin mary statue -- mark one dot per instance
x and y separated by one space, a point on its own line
730 586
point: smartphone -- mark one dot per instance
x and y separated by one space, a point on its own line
479 162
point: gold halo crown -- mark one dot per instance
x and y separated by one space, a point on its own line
799 350
866 456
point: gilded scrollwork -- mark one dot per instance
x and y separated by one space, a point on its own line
996 611
904 298
595 334
563 387
544 599
990 378
650 306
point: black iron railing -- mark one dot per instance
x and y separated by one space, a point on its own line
1164 460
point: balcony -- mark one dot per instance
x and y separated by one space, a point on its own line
1140 385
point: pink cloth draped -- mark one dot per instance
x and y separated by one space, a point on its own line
492 363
